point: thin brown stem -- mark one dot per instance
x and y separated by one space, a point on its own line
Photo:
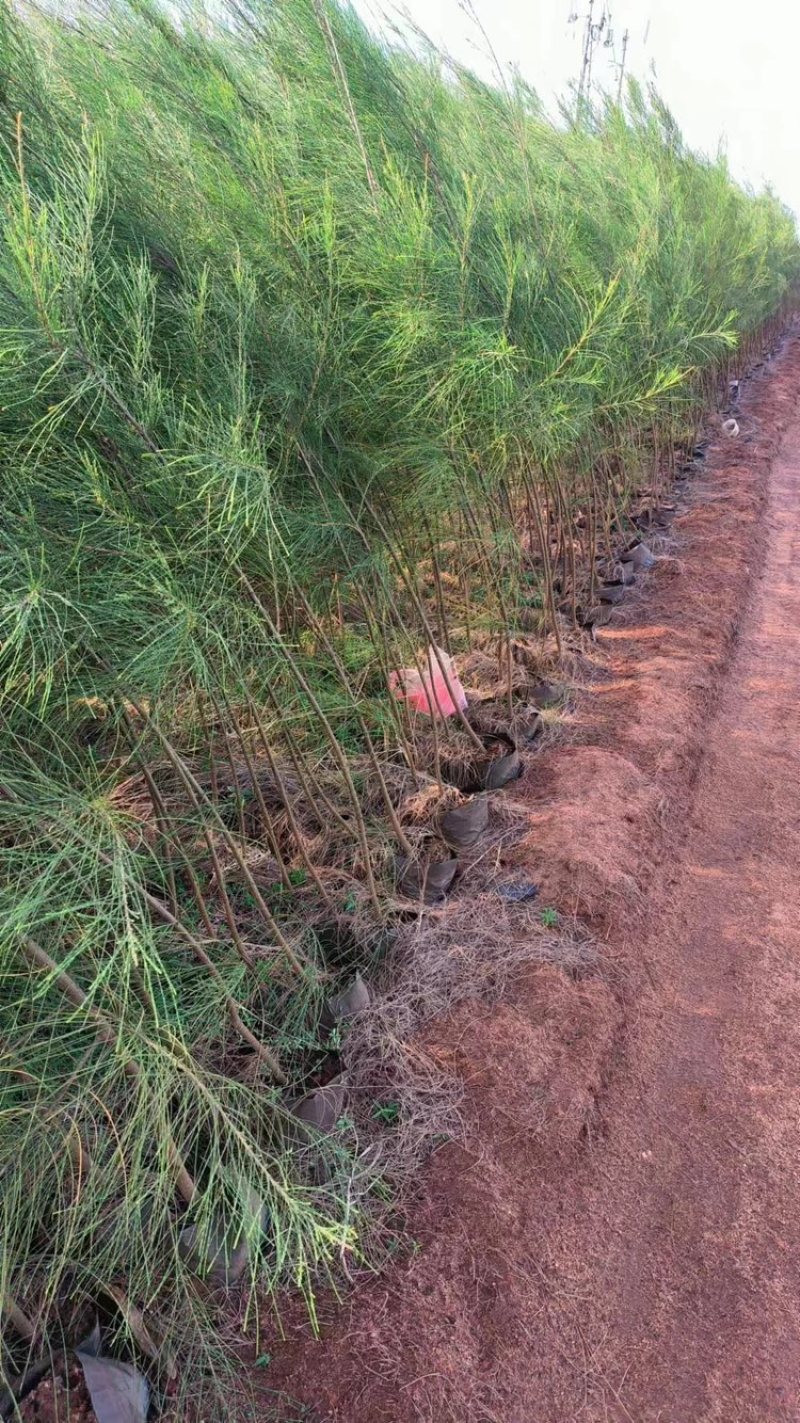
546 564
310 791
158 801
371 753
199 798
336 749
423 616
286 800
271 836
21 1322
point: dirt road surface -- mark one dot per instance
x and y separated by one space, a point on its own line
636 1259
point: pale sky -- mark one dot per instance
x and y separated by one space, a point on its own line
728 69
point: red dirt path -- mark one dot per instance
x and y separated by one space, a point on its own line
619 1240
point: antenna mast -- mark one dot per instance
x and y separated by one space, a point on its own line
592 34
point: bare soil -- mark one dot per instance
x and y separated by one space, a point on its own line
61 1397
618 1240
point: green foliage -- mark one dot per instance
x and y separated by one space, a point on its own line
386 1112
301 341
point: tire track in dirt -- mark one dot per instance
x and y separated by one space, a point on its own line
618 1238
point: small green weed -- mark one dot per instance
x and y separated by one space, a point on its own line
386 1112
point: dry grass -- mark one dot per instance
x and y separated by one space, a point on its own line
471 948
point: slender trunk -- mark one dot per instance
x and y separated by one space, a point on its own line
198 798
338 754
285 799
23 1325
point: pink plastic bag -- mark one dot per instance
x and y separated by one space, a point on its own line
429 693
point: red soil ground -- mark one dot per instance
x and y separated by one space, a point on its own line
619 1238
